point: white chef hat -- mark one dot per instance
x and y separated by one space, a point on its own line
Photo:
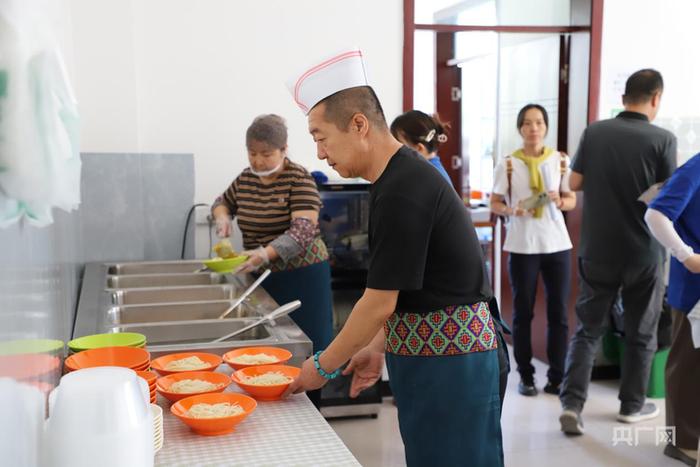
343 70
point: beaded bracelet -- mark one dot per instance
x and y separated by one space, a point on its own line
321 371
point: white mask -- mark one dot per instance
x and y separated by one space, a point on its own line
266 173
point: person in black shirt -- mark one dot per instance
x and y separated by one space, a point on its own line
425 308
616 161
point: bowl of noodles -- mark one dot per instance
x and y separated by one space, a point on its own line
213 414
265 382
180 385
186 361
253 356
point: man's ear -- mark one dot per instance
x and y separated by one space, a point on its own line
360 124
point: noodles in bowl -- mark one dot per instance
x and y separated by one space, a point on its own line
267 382
255 359
246 357
271 378
213 414
186 364
222 409
180 385
190 386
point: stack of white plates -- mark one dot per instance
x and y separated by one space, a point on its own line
157 427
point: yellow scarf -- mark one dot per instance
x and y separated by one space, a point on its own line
533 168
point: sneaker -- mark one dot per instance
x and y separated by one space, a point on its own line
552 388
527 387
647 412
571 422
677 453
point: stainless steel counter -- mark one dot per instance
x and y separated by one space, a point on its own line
177 308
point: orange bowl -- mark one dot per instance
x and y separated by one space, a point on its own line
282 355
164 383
160 363
149 376
264 393
213 426
128 357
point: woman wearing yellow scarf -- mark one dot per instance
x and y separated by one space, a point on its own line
531 188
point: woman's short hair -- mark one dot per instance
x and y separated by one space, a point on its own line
521 115
416 127
270 129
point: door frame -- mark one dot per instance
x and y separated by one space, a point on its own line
595 30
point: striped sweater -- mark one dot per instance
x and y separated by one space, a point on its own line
264 212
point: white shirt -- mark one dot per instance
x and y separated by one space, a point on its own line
526 234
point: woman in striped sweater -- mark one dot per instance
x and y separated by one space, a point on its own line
276 203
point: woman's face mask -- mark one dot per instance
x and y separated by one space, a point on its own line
265 160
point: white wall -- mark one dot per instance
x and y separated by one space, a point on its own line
101 64
186 76
662 35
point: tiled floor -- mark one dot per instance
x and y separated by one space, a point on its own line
531 435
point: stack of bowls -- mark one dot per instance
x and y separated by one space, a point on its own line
137 359
32 346
151 379
99 416
157 427
117 339
32 361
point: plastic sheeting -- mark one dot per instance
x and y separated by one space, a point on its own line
39 145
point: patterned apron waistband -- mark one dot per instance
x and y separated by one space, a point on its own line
453 330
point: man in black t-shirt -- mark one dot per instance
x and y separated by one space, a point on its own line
616 161
425 308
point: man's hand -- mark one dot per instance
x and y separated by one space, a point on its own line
308 379
366 367
693 263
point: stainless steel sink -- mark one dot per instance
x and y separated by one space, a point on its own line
188 311
194 332
163 280
174 308
161 267
175 294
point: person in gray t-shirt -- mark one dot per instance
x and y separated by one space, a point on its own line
616 161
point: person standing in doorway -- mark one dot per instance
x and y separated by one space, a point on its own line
616 161
538 243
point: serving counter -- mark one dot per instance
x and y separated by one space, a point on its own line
289 432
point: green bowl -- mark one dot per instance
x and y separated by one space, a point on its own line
225 265
117 339
23 346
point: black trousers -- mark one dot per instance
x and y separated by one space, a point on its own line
524 270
